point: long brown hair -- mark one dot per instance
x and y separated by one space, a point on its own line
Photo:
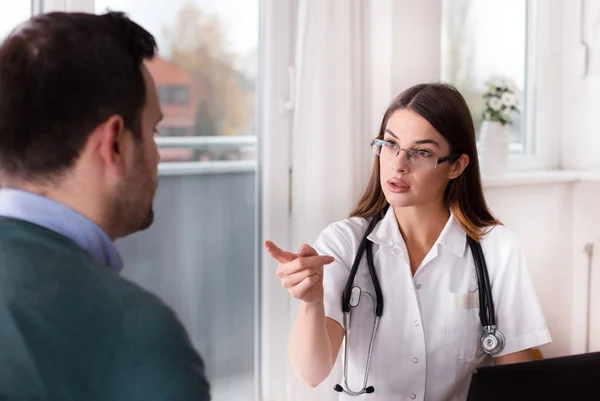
446 110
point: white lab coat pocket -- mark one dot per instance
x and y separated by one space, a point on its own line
464 326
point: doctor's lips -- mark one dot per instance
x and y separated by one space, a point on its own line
397 185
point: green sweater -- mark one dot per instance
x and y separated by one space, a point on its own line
72 329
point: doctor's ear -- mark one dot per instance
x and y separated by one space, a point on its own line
458 166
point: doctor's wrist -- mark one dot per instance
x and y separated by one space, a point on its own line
316 305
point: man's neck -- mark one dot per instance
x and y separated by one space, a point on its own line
72 196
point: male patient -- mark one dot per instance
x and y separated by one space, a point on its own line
78 169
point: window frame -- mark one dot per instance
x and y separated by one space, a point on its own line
539 149
277 37
527 144
37 6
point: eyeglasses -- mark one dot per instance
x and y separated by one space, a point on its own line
419 158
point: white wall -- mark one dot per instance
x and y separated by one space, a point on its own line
554 219
581 95
542 217
586 223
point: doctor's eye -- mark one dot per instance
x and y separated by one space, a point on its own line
391 144
422 153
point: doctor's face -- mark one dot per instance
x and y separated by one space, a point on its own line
410 172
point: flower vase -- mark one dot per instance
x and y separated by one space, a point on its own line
494 140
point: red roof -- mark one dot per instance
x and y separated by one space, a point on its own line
166 73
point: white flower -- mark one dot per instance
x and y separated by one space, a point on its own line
512 87
509 99
499 82
505 115
494 103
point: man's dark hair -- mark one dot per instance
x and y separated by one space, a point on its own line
62 75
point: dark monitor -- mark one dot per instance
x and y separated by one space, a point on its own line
574 377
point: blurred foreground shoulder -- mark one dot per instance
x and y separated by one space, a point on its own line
159 362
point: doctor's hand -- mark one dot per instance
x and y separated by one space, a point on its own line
301 273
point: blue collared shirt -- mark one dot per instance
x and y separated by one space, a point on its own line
57 217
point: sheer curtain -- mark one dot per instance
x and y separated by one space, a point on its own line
330 149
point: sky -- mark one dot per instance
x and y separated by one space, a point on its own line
240 17
500 28
13 13
497 37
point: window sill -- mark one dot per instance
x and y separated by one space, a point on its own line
540 178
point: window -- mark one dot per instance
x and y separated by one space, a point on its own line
200 254
12 14
486 38
170 95
175 131
206 68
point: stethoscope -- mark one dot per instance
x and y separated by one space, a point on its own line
492 340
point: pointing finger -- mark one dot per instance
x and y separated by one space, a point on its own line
303 263
278 254
307 250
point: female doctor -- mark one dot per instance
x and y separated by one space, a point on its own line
450 290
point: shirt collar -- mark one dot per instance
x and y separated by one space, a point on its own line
42 211
453 237
387 233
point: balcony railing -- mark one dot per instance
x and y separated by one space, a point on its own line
200 142
207 142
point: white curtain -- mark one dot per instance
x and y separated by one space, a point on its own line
330 151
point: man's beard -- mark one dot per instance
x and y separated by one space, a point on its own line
133 201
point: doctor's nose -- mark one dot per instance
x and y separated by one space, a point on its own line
401 162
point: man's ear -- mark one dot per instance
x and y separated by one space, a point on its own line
112 143
458 166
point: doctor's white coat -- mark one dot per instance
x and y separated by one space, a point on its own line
428 343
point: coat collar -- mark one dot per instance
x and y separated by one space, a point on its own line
387 233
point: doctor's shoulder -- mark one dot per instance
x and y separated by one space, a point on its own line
341 239
499 236
502 248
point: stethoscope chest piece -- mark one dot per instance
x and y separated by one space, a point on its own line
355 296
492 340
